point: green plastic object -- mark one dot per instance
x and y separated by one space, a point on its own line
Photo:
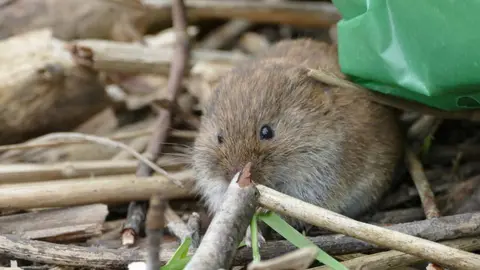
422 50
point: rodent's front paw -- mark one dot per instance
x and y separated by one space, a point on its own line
248 238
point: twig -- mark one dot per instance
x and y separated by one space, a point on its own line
305 14
224 34
219 244
154 229
176 225
393 259
437 229
193 225
29 172
106 142
396 102
136 210
40 141
296 260
111 56
421 182
71 255
423 126
78 191
318 216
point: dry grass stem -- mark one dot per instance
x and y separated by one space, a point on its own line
107 142
395 102
393 259
80 191
421 182
296 260
29 172
317 216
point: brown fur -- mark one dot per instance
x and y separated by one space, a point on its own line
332 147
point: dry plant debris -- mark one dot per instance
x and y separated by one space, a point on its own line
100 103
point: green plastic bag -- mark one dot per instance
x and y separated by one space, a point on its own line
423 50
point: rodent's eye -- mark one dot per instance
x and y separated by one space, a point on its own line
219 138
266 132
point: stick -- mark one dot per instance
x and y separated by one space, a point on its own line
393 259
136 210
395 102
436 229
70 255
30 172
113 189
111 56
219 244
317 216
421 182
305 14
299 259
106 142
176 225
154 230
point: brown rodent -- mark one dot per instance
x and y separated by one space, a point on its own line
325 145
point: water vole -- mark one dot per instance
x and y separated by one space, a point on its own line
325 145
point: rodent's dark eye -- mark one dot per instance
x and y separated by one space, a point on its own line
266 132
219 138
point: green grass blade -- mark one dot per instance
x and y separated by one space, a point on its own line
180 257
253 233
297 239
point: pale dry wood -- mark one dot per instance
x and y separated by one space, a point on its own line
438 229
219 244
395 102
42 90
23 172
393 259
423 127
80 191
113 56
253 43
305 14
55 223
438 253
73 19
176 226
421 183
71 255
296 260
224 34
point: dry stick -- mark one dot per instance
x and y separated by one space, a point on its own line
176 225
136 210
318 216
40 141
224 34
193 225
437 229
220 242
106 142
394 259
32 172
423 127
79 191
154 230
421 182
111 56
305 14
71 255
396 102
299 259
